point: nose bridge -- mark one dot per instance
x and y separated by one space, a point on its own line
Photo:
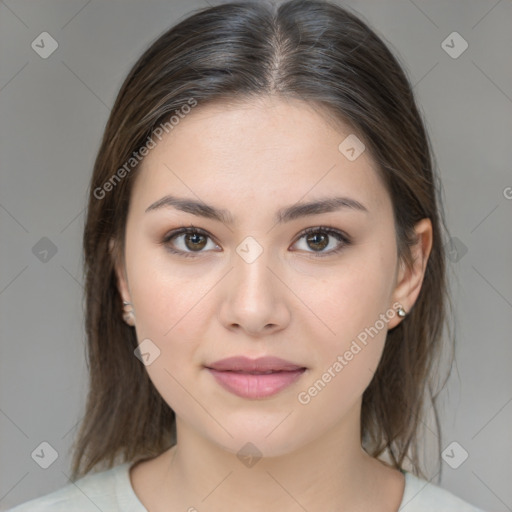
251 275
254 299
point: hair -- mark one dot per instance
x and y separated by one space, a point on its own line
324 55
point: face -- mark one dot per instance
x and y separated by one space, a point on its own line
252 283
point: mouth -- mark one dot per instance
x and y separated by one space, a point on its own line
260 365
255 378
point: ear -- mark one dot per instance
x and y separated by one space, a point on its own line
409 281
122 282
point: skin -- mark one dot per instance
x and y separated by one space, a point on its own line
253 158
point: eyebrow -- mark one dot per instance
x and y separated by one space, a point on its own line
287 214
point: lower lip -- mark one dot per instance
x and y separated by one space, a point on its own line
247 385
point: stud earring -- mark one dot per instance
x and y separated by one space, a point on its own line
401 312
129 316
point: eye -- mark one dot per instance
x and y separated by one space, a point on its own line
321 238
186 241
189 240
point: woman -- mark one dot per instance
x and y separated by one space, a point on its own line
265 276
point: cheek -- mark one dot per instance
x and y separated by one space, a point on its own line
170 312
353 296
334 390
166 294
354 303
347 357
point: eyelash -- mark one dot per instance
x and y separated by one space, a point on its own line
339 235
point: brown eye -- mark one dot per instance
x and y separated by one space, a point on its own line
317 241
195 241
322 241
189 240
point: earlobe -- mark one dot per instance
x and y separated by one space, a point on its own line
410 279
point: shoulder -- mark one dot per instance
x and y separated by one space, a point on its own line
107 490
423 496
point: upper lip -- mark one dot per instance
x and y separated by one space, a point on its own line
261 364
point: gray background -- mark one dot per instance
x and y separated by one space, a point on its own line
52 115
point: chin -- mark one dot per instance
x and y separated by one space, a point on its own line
249 439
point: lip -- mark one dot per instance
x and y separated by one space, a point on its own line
244 377
260 364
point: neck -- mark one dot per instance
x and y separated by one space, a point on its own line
330 473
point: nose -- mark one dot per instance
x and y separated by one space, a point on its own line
254 300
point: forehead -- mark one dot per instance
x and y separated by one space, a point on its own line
263 150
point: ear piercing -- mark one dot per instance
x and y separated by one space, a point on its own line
129 316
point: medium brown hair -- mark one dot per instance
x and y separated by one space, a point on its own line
326 56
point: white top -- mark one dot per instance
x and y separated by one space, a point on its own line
111 491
